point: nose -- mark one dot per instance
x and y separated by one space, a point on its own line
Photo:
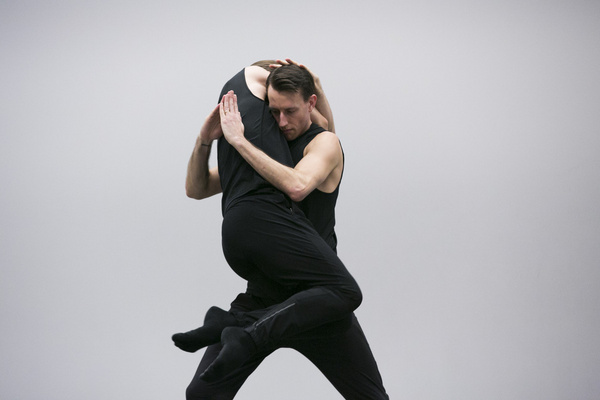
282 120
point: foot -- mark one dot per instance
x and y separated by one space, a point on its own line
238 347
215 321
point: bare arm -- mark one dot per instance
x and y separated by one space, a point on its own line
322 156
202 182
317 118
323 104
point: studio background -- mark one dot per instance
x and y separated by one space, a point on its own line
468 211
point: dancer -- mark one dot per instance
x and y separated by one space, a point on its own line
354 373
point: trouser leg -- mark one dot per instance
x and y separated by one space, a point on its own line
227 387
347 362
301 313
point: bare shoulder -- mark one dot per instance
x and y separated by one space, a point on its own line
257 73
326 142
256 79
326 138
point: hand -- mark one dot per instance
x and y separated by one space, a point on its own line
289 61
231 119
211 129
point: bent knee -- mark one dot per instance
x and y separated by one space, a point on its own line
358 298
354 297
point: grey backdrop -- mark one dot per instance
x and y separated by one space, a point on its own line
468 212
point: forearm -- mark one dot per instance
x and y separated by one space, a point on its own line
323 106
200 182
291 182
317 118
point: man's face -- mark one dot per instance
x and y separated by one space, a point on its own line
291 112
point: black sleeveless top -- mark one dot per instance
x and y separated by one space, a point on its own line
238 178
319 207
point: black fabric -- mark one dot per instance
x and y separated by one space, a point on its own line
265 241
238 179
318 206
268 241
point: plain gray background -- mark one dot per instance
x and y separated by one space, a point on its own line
468 212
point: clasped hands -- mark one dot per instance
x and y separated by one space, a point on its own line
224 119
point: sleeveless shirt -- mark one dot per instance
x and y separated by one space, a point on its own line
238 178
318 206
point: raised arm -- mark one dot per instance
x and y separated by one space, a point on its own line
201 181
322 105
317 118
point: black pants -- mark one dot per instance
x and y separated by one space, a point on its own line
265 240
345 360
300 295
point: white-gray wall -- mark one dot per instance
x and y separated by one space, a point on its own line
469 211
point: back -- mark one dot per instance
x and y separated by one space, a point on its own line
238 178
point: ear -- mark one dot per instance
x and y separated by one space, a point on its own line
312 102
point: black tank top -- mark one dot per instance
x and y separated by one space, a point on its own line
319 207
238 178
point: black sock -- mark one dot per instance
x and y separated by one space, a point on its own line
238 347
210 333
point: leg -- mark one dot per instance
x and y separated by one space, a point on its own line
225 388
347 362
282 246
252 305
272 243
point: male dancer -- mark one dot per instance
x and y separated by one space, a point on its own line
341 353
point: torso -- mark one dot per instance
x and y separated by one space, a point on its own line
238 178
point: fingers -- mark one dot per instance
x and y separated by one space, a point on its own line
228 104
222 107
280 63
292 62
214 116
214 112
232 106
289 61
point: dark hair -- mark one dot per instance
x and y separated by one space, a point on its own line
292 78
265 64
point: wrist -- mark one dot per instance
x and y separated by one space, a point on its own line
204 142
239 142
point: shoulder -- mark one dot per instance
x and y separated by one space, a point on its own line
326 142
256 79
326 138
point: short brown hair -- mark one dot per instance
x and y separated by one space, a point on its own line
292 78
